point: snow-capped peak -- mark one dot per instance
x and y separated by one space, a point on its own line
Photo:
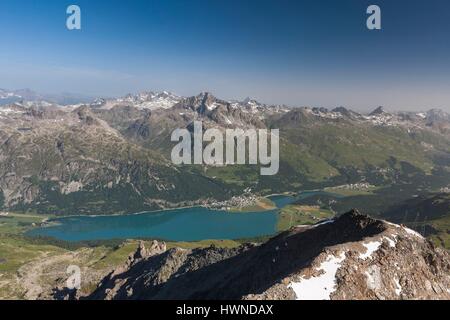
143 100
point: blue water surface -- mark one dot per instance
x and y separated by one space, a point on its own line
187 224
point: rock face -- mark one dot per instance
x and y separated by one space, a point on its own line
350 257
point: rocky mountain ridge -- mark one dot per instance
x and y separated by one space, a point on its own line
349 257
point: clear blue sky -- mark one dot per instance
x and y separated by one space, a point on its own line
311 52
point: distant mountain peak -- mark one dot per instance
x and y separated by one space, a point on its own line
346 112
206 95
378 111
437 115
143 100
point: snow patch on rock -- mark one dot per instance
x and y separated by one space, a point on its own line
412 232
323 222
373 275
322 286
371 247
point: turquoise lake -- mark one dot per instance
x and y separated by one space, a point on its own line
187 224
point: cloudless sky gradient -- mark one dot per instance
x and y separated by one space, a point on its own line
299 52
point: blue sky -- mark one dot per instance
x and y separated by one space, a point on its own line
303 52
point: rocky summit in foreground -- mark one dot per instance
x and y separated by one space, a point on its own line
350 257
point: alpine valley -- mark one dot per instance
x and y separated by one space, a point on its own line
72 164
112 156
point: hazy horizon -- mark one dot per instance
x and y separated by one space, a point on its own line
298 53
299 105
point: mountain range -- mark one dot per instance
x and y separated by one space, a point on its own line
113 155
31 97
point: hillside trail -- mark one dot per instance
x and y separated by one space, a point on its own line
31 277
